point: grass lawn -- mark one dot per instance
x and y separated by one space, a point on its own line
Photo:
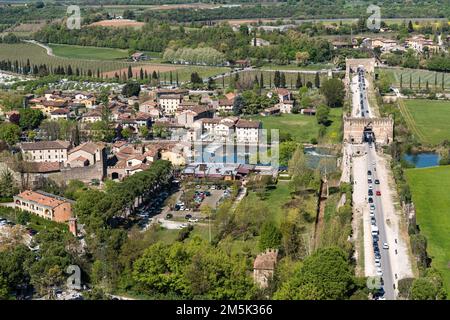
431 118
430 187
301 127
312 67
94 53
304 128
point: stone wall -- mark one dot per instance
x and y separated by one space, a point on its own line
383 129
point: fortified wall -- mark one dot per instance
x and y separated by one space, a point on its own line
382 128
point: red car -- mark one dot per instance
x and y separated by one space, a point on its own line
378 193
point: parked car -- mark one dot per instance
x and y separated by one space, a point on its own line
188 216
370 200
385 246
193 220
379 272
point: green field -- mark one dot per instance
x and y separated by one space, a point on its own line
38 55
430 118
303 128
394 76
430 188
312 67
90 53
268 76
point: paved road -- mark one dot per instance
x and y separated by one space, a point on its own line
381 224
362 109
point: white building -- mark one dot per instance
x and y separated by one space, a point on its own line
169 103
45 151
247 131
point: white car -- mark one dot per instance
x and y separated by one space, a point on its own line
378 264
193 220
372 214
379 272
385 246
370 187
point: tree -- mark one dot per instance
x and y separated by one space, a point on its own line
30 118
410 27
317 80
283 80
298 81
324 275
131 89
196 79
8 187
10 133
144 131
127 133
238 105
334 91
130 72
322 114
277 79
270 237
302 57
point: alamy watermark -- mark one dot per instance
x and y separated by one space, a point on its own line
374 21
74 19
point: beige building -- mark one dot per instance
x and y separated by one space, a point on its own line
45 151
247 131
86 154
44 205
169 103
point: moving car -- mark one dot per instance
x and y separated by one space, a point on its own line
377 181
188 216
378 193
169 216
385 246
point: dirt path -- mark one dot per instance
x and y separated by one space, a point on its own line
47 48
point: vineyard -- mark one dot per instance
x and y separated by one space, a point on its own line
404 75
38 56
268 77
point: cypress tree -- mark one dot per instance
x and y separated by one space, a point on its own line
261 81
298 82
317 80
130 72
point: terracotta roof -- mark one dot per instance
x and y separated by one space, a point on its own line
282 91
248 124
92 113
45 145
170 96
58 104
41 198
43 167
89 147
226 102
60 111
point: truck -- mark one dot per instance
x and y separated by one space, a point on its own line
375 230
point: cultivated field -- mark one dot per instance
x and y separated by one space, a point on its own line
121 23
394 76
38 55
428 119
89 53
430 189
291 77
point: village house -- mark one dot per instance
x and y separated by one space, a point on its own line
45 151
220 128
419 43
61 113
187 115
86 154
139 56
44 205
258 42
247 131
225 105
168 104
92 116
147 106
